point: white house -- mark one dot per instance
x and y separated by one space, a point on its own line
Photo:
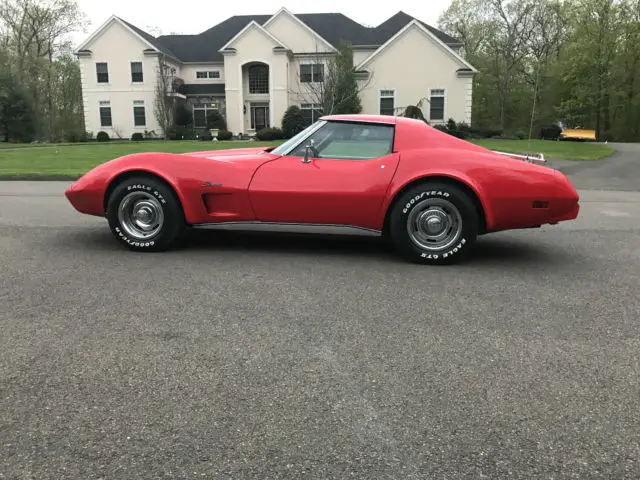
252 68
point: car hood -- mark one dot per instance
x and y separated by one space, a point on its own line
231 154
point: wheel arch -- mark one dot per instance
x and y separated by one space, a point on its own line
464 186
122 176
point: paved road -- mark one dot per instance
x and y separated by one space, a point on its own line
280 357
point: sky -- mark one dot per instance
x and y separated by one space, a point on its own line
162 17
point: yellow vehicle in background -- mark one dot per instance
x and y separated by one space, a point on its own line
577 133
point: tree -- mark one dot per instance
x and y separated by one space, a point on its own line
166 84
16 113
338 90
36 33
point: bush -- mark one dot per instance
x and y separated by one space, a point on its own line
102 137
268 134
179 132
76 136
206 136
216 120
293 121
224 135
137 137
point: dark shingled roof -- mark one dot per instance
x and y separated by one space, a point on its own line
333 27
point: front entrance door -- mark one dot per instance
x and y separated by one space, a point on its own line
259 116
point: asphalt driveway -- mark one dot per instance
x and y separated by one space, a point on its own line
253 356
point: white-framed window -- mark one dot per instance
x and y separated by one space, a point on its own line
201 75
139 113
258 79
311 72
201 112
136 72
436 104
102 72
311 112
387 102
105 114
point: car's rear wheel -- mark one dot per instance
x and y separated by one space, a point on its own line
434 223
144 214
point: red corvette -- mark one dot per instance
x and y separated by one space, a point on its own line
430 193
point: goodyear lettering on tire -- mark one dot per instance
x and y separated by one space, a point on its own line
432 193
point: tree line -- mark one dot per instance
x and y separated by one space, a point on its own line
543 61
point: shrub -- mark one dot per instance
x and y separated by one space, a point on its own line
102 137
292 121
268 134
182 115
413 111
224 135
178 132
137 137
206 136
216 120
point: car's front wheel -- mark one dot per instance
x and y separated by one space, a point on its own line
434 223
144 214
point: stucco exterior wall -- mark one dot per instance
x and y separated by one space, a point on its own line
116 46
412 76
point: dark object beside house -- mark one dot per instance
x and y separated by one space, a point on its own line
550 132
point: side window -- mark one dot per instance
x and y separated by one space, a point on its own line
350 141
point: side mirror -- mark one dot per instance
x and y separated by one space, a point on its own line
309 152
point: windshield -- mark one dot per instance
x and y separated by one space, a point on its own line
283 148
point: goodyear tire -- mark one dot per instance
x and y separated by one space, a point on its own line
434 223
145 215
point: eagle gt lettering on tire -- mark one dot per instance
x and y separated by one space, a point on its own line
434 223
144 214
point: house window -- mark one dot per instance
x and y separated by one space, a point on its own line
201 112
311 72
210 74
259 79
436 107
102 71
311 112
105 114
139 114
136 72
387 102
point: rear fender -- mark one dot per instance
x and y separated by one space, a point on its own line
399 186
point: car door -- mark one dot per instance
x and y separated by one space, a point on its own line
342 182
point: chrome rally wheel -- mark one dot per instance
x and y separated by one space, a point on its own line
141 216
434 223
144 214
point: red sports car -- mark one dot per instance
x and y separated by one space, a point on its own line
429 193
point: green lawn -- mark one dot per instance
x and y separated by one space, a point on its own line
550 149
72 160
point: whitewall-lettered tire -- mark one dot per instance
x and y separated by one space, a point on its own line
434 223
144 214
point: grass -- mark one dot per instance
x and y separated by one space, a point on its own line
73 160
550 149
68 161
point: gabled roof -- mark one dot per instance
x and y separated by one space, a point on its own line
258 27
464 65
334 28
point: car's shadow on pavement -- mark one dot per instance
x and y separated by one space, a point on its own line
494 249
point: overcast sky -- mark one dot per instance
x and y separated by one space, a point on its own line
194 16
